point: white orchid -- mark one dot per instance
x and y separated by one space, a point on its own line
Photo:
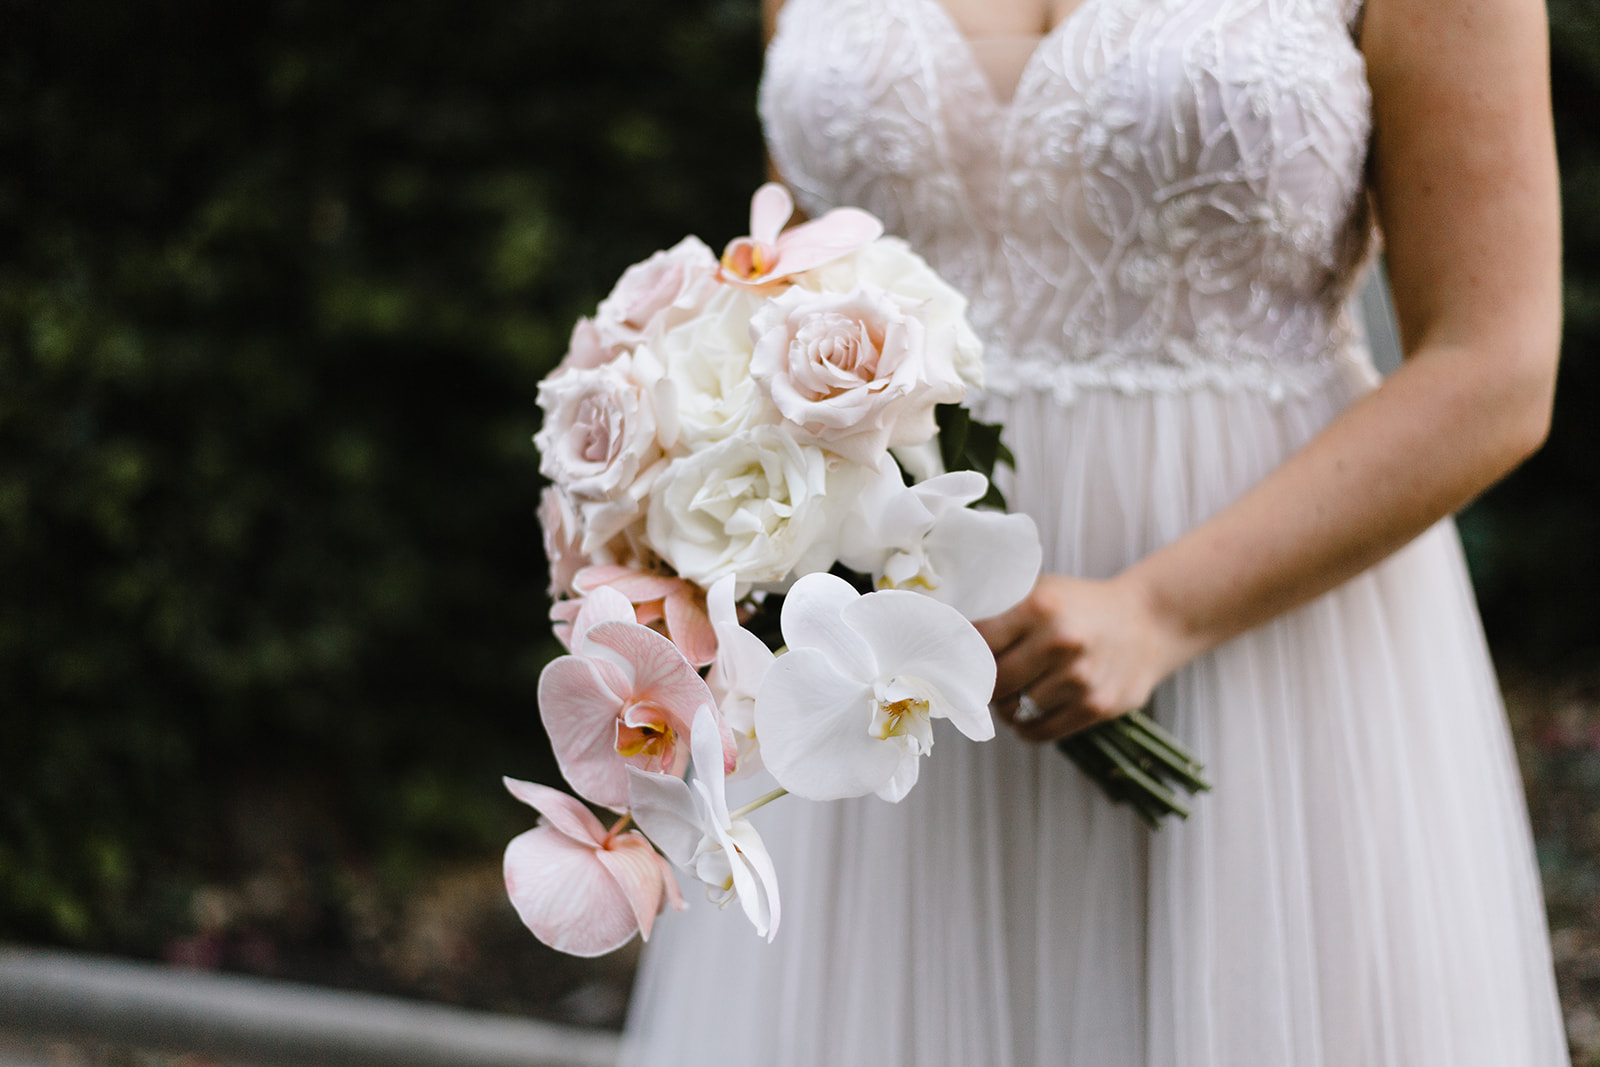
848 709
690 823
736 674
925 538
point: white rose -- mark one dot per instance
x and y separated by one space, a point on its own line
891 265
654 295
753 505
857 372
707 360
599 441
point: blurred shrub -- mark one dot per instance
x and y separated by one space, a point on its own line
1534 541
276 285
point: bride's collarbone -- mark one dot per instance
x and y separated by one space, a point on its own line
1008 19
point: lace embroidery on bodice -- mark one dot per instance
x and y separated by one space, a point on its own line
1172 199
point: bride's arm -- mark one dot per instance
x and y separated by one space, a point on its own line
1465 182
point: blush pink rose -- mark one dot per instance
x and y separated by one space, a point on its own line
856 372
585 350
651 296
601 442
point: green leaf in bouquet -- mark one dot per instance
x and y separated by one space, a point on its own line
965 444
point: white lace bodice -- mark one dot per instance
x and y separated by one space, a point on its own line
1172 199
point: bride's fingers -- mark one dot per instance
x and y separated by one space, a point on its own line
1003 631
1027 660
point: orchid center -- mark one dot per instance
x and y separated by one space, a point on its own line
650 739
900 713
749 259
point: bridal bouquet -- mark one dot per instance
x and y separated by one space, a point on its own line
765 558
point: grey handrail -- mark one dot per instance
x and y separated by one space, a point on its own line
144 1005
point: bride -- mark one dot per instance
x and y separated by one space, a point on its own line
1158 209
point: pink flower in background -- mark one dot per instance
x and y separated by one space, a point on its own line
650 296
626 697
678 604
768 256
582 890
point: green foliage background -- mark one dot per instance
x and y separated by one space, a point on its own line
277 283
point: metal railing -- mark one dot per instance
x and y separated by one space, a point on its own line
149 1006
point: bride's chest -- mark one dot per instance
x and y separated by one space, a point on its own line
882 103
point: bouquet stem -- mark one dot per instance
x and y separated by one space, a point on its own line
1136 762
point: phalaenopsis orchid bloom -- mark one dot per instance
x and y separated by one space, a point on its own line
581 889
771 254
625 696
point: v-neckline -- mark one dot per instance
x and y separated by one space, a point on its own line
970 56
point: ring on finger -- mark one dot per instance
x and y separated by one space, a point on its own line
1028 709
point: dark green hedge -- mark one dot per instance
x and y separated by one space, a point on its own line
276 284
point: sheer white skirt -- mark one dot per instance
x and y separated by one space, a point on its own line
1359 890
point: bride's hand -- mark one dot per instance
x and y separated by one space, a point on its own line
1083 651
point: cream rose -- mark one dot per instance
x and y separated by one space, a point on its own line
753 505
707 360
654 295
856 372
889 264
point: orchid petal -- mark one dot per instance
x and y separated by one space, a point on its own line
838 233
637 586
688 625
579 710
953 488
754 852
565 813
905 778
986 561
745 884
811 619
813 724
770 208
565 895
665 810
600 605
637 870
705 742
656 670
919 638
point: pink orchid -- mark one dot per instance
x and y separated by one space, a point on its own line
668 599
768 255
580 889
625 697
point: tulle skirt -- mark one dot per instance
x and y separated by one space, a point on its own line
1358 890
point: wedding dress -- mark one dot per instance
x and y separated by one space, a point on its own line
1158 234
